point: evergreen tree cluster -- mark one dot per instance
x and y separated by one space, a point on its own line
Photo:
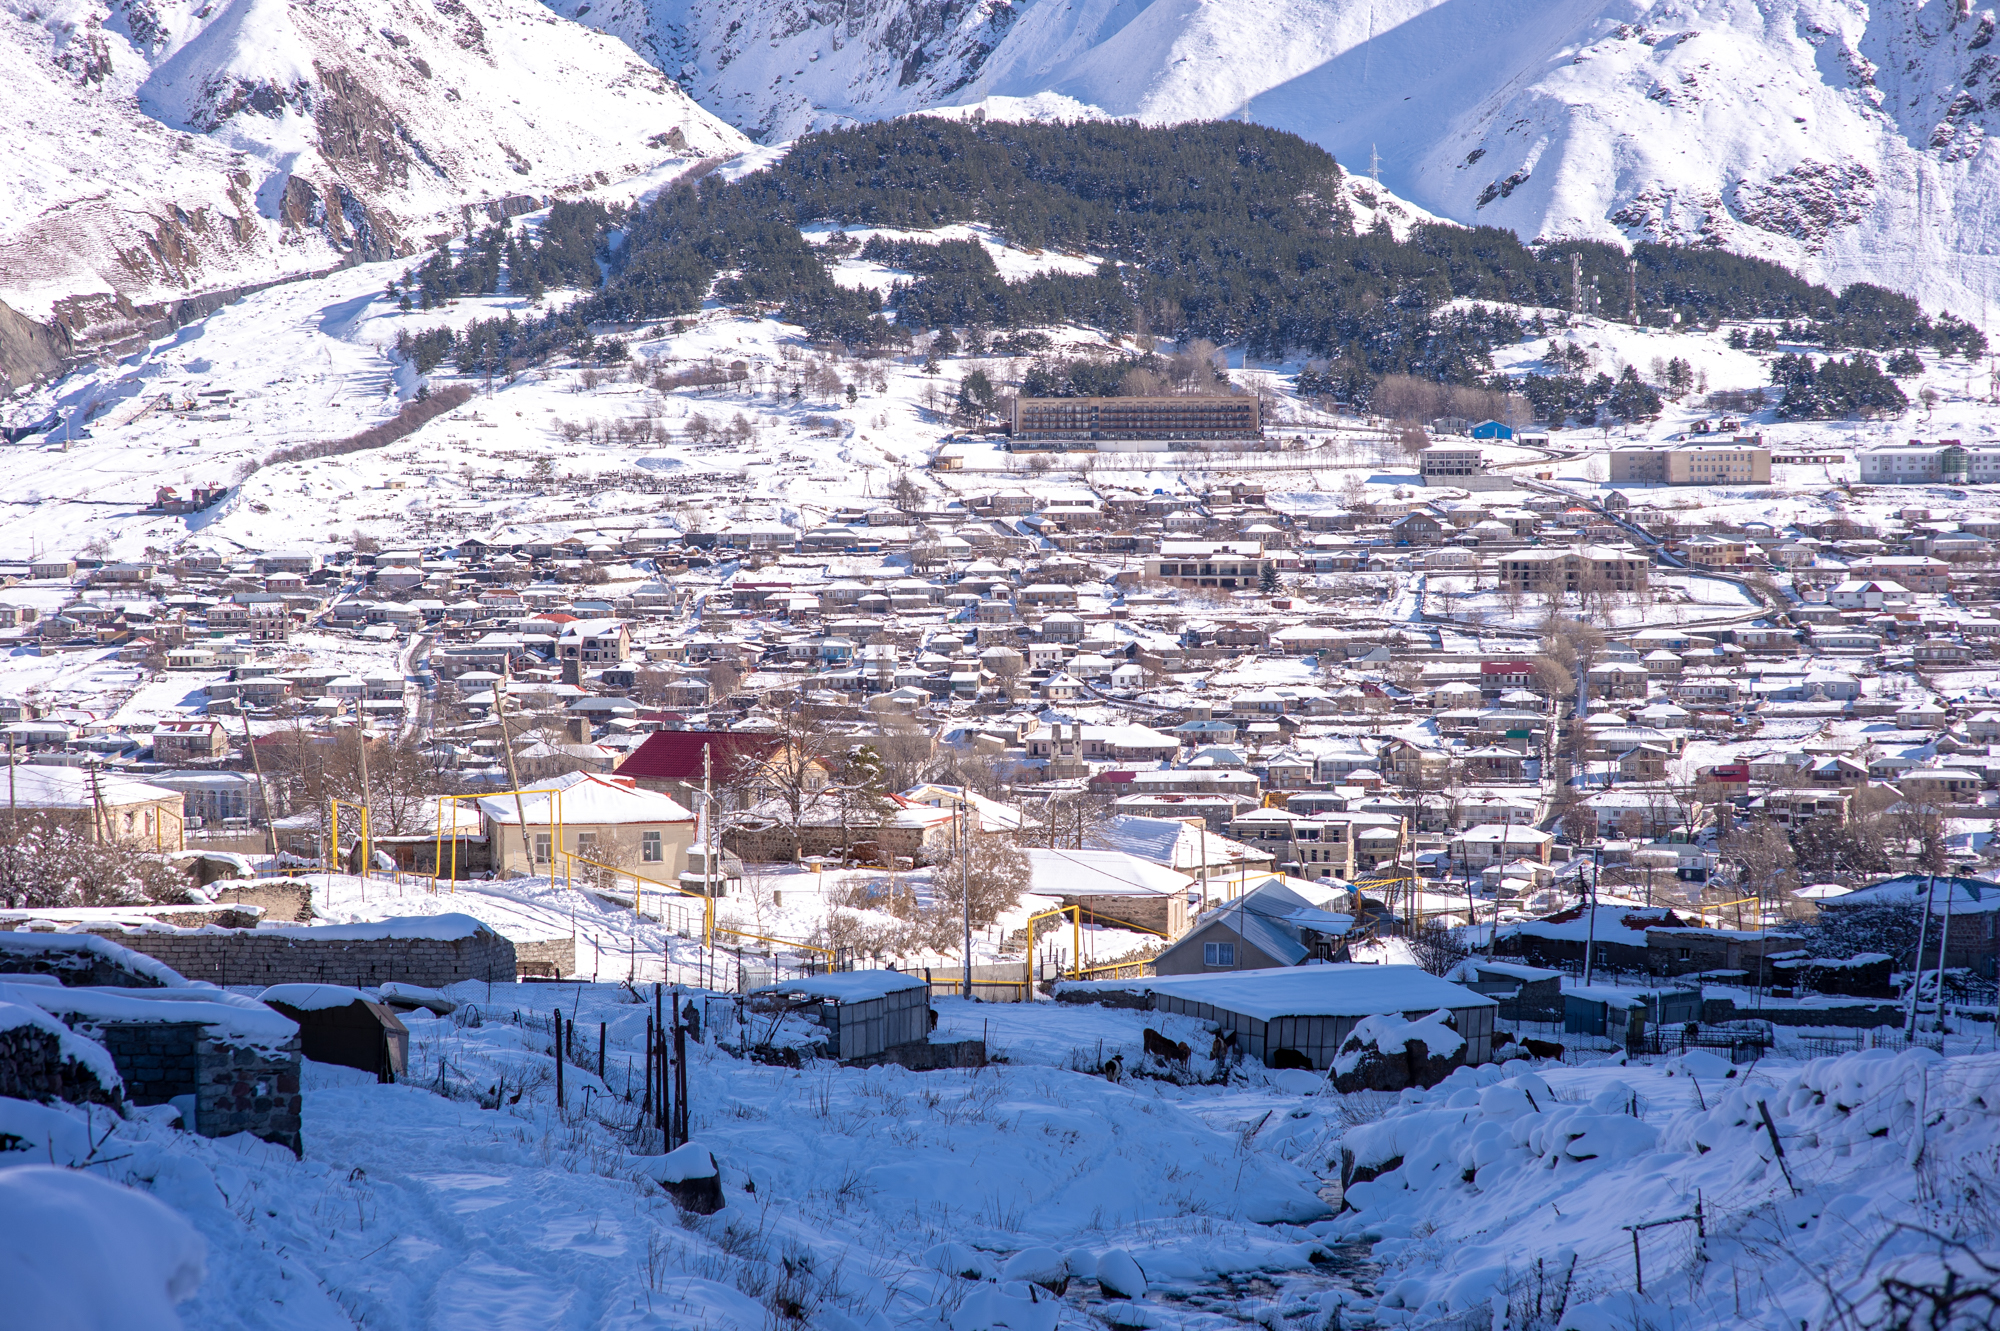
1084 376
1559 398
1226 231
1835 388
497 260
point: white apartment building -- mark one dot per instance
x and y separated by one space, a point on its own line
1916 463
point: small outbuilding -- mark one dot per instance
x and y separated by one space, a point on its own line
1302 1014
1623 1015
864 1013
345 1026
1525 993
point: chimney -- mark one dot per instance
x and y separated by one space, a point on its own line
572 670
578 728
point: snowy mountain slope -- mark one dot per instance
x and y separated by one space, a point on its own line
165 146
1843 139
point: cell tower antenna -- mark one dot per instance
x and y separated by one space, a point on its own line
1632 276
1575 285
1374 164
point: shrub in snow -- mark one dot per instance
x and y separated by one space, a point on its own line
1702 1065
955 1259
1041 1266
1119 1276
1390 1054
1015 1306
83 1254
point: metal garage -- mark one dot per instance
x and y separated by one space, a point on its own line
863 1012
1311 1009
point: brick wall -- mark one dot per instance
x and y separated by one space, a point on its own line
258 958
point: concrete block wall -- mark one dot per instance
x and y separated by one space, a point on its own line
251 957
158 1060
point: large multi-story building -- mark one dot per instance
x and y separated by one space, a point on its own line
1917 463
1207 563
1742 461
1585 568
1190 417
1451 459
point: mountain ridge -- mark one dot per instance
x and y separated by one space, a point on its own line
164 150
1844 140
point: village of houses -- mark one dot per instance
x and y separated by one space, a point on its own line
1207 730
1236 792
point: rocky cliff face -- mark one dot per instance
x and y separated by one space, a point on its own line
162 147
1844 138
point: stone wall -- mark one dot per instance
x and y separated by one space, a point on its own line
32 1068
253 957
73 961
546 956
284 902
257 1091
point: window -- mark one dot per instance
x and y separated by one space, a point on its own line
541 847
1218 954
586 845
649 847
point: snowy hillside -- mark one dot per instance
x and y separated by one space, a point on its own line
1841 139
166 148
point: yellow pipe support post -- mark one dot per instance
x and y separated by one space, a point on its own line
437 843
1076 915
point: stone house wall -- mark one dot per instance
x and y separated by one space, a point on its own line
32 1068
244 1089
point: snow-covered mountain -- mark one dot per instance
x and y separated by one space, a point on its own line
162 148
1845 139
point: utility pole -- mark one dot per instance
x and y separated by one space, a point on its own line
514 779
97 819
361 741
707 822
263 791
1590 913
965 876
1917 969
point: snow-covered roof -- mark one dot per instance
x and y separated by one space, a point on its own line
313 997
232 1015
1089 873
1338 990
1177 843
847 986
587 798
62 951
38 787
1960 896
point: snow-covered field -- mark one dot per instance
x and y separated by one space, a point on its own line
463 1198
